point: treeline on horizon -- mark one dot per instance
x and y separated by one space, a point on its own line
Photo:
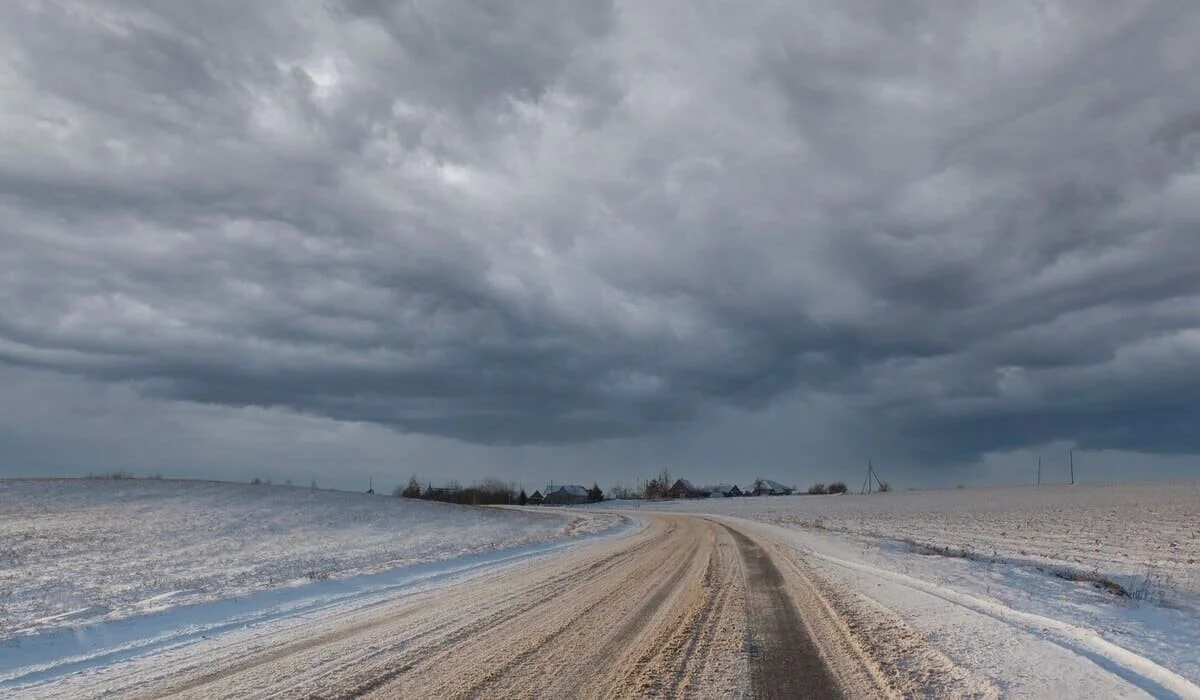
658 487
488 492
494 491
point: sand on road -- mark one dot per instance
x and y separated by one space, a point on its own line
685 607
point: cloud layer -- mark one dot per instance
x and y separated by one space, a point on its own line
973 227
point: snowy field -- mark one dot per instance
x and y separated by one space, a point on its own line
76 552
1020 588
1144 536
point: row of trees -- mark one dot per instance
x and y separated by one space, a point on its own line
840 487
658 487
489 492
493 491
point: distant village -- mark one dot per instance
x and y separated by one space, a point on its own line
573 494
496 492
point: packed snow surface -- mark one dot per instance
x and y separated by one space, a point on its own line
77 551
1092 587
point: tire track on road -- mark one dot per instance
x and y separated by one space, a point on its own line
784 660
714 620
657 658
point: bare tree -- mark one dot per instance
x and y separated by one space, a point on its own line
413 490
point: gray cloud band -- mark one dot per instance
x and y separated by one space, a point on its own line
561 222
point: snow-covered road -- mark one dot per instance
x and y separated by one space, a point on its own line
675 606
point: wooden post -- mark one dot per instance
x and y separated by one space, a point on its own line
1039 470
1072 466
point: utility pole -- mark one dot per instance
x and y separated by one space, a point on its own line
1039 470
871 480
1072 466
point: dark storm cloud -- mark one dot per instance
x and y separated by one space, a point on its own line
972 227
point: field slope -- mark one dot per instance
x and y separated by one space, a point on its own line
78 551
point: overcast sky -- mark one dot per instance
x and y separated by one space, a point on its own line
579 240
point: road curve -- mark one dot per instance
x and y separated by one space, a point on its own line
686 607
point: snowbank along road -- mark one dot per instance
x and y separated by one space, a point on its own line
684 607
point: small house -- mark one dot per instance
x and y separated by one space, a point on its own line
569 495
726 490
683 488
536 499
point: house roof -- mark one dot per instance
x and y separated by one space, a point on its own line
775 485
536 493
570 489
684 484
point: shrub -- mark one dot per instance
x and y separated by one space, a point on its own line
817 489
837 487
412 490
